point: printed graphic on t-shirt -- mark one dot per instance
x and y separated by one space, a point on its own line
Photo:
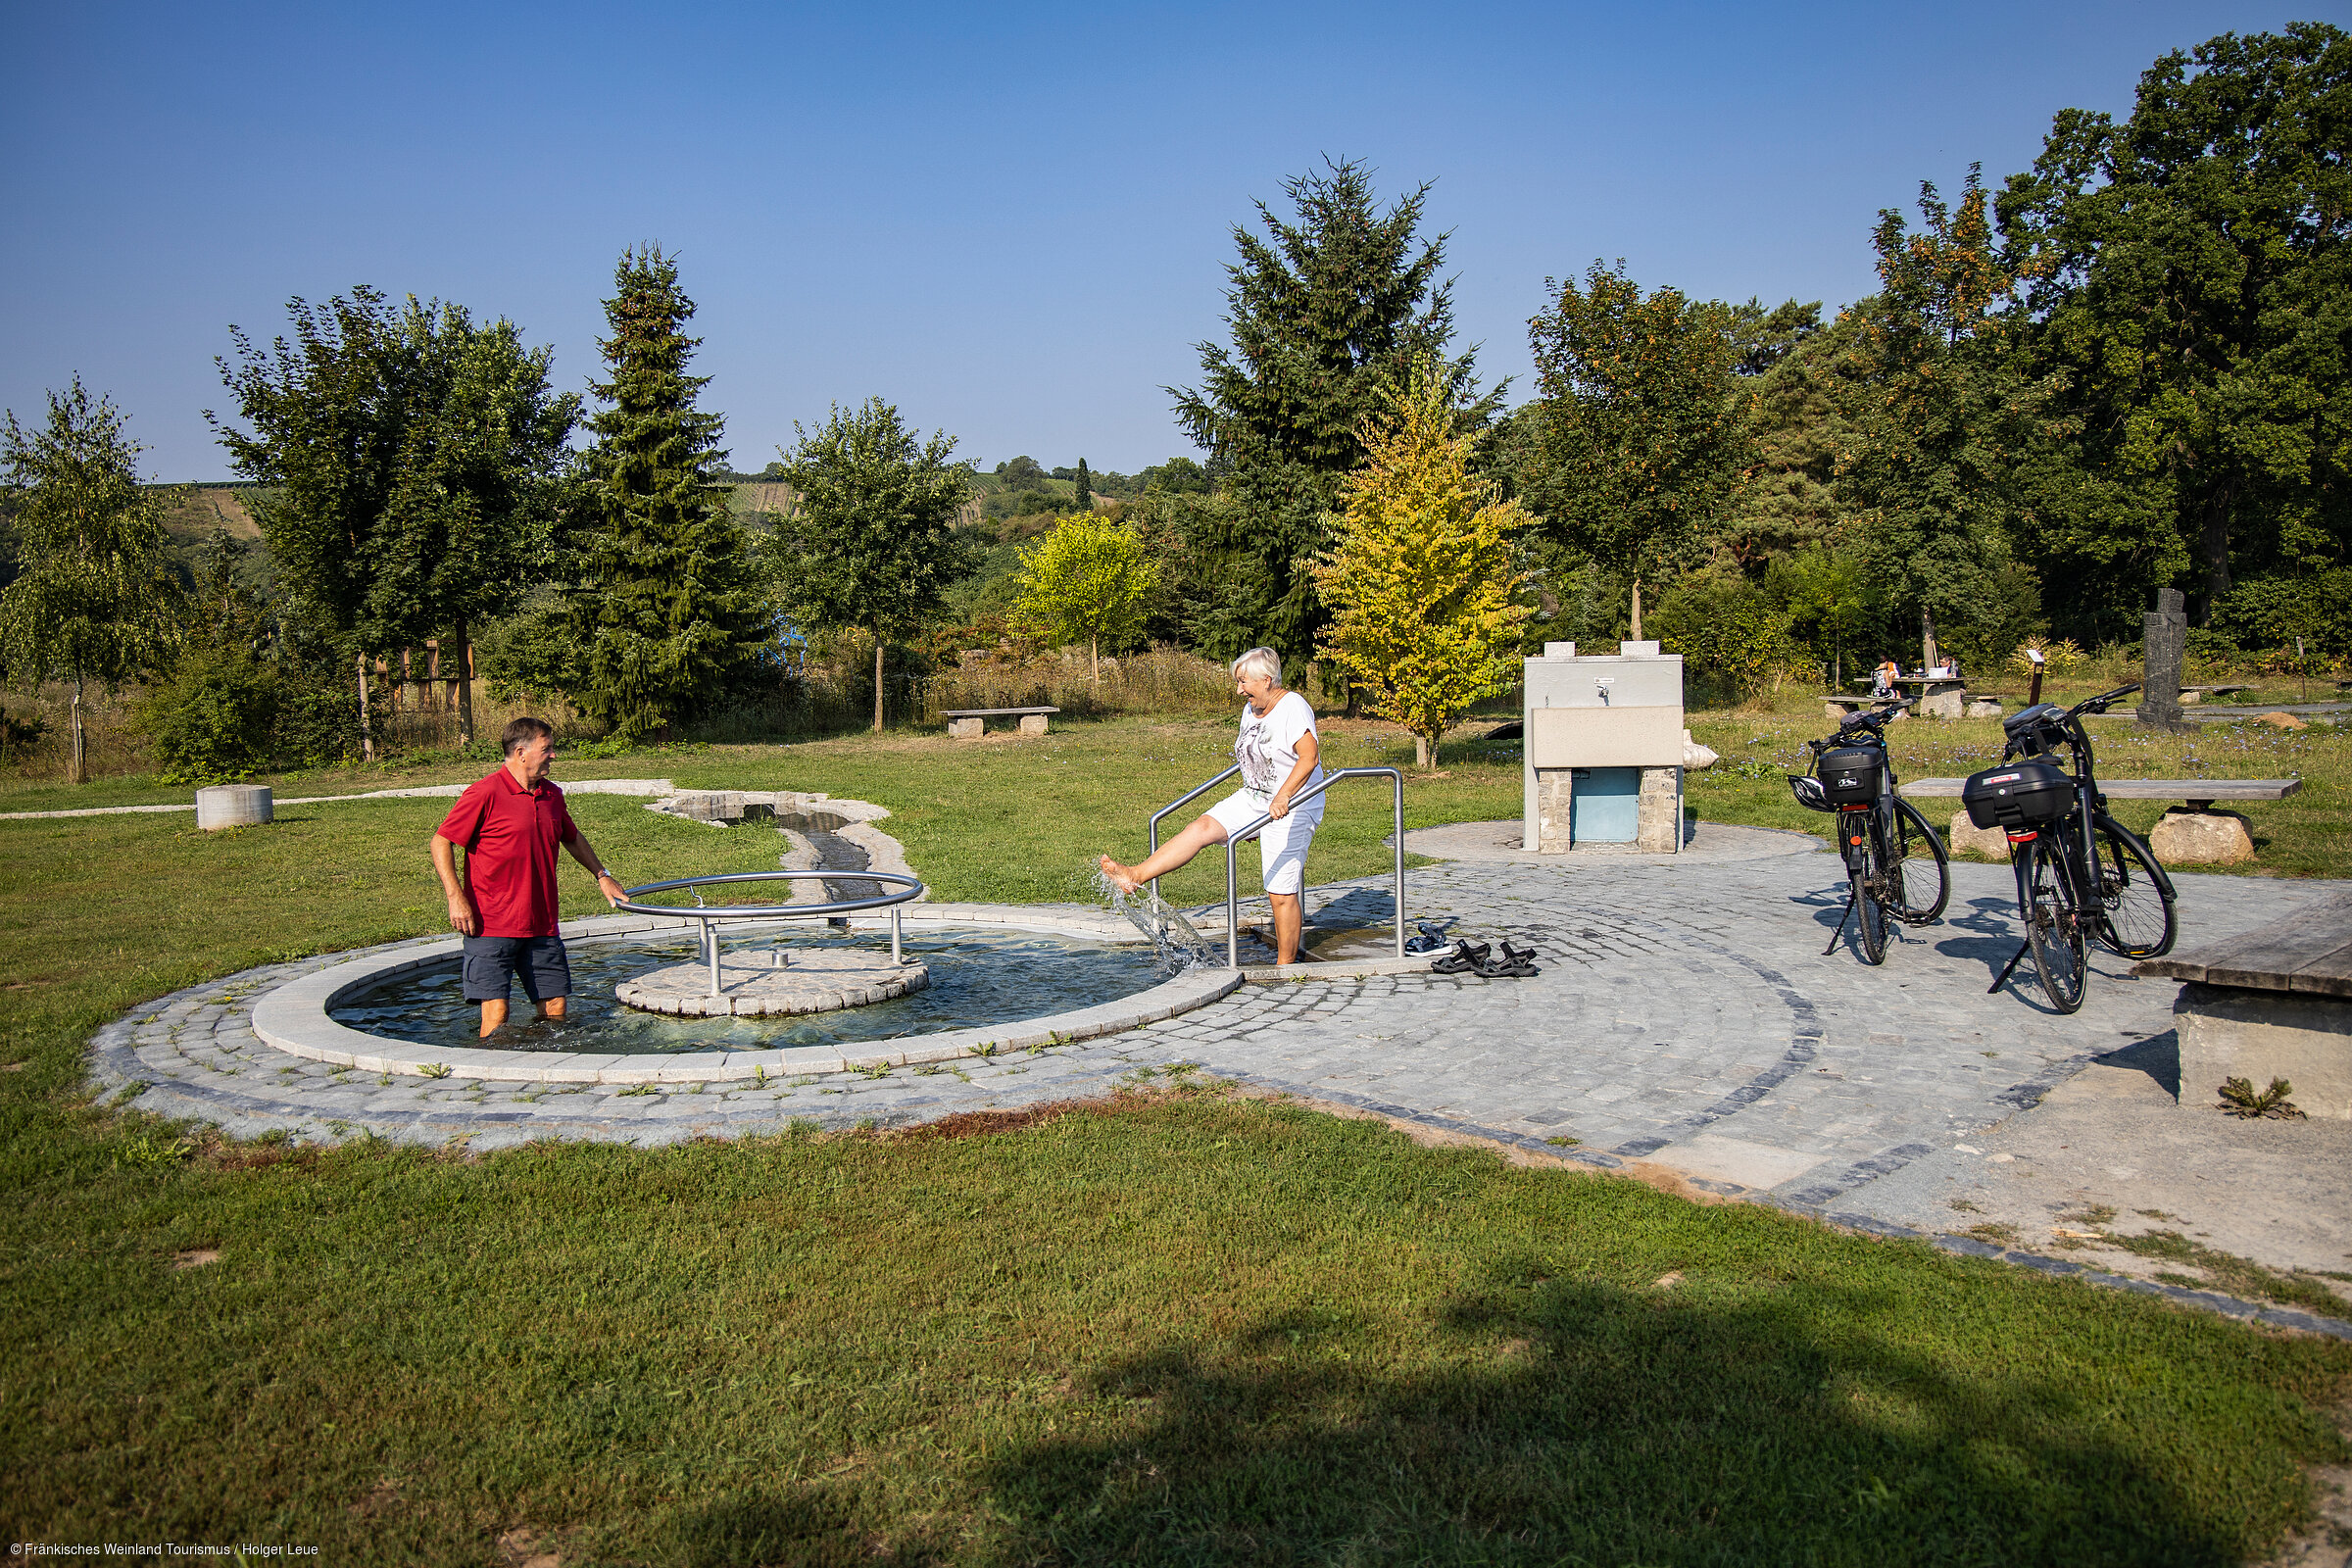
1262 743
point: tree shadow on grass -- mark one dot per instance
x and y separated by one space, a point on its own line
1571 1422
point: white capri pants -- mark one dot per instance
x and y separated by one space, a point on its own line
1281 844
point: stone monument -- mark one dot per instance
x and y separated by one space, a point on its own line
2165 639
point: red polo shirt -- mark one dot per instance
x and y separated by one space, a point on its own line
509 835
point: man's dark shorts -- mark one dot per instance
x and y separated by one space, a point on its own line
539 962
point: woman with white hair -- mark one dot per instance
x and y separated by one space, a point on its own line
1279 757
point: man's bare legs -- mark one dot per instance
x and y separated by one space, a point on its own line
1203 832
494 1014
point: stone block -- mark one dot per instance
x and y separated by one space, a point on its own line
964 729
1940 704
1658 822
2282 719
2201 838
1966 835
2230 1032
1555 789
1982 707
1033 724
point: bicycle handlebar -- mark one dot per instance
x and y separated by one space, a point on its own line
2101 703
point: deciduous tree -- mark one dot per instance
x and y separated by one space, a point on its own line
2192 284
94 596
412 456
1087 579
1639 440
871 542
1946 415
1419 571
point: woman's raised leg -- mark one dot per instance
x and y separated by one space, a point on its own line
1198 835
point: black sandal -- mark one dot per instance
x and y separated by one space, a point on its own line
1465 958
1517 963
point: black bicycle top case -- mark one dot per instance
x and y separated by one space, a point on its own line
2022 795
1849 774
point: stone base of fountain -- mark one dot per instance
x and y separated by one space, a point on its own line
766 982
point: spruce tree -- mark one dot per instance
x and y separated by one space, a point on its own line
1085 501
1328 315
667 606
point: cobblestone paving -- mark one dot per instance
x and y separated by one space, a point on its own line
1684 1013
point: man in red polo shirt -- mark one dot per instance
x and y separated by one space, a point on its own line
508 825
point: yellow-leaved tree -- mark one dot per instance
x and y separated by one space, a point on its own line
1086 580
1420 571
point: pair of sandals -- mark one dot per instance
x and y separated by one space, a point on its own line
1477 958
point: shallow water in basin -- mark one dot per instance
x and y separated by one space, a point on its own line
978 977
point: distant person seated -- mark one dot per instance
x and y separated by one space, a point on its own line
1883 677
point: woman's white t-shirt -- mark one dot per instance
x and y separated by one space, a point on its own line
1268 748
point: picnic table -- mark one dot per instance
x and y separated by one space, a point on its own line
1940 696
2196 835
969 723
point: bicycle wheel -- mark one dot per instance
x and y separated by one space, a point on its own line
2053 929
1869 914
2137 918
1920 878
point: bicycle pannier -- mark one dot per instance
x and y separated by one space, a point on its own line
1849 774
2020 795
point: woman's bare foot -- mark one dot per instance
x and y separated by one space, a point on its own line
1119 876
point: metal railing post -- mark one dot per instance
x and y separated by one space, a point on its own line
895 957
711 952
1397 784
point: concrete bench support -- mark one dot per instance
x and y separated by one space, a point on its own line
968 723
2230 1032
2272 1002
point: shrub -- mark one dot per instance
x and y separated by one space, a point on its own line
213 720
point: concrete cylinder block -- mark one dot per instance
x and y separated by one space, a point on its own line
232 805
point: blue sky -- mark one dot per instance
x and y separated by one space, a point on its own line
1010 222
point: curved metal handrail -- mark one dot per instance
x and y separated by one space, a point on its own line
1396 777
708 914
1153 829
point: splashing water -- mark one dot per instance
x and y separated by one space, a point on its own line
1175 941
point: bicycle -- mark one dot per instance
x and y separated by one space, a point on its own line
1895 864
2081 875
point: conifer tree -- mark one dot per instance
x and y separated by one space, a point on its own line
666 606
1327 314
1419 573
1085 489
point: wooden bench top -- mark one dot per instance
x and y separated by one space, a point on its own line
992 712
2217 689
2310 952
2201 791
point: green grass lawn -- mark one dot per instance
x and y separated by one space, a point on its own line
1187 1329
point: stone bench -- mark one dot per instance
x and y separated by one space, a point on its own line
2272 1002
969 723
2194 835
2191 695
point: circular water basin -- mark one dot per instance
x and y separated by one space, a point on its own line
978 977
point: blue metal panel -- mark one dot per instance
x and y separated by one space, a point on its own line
1606 807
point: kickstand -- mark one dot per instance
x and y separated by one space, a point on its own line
1838 935
2002 979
